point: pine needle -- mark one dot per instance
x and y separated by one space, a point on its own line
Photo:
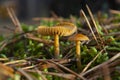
83 13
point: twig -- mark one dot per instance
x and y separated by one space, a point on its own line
29 67
69 54
63 75
98 66
88 65
114 11
95 25
84 31
6 72
112 26
98 72
9 41
14 20
20 37
93 20
3 45
47 64
67 69
14 62
106 72
89 26
112 34
68 50
40 73
25 74
4 59
30 36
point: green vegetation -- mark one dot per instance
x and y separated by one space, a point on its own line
31 55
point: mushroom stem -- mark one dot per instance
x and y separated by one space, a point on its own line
56 46
78 55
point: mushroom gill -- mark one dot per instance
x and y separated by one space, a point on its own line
60 30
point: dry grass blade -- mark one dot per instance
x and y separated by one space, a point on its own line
11 16
95 25
47 42
99 66
67 69
112 26
115 57
4 59
6 72
54 15
93 20
46 64
89 64
11 40
98 72
112 34
106 72
89 26
8 41
40 73
14 62
114 11
69 54
25 74
2 42
29 67
43 66
3 45
14 20
62 75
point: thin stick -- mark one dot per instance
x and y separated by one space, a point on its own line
112 34
94 23
4 59
112 26
106 72
11 16
67 69
15 20
93 20
40 73
3 45
98 66
114 11
63 75
88 65
29 67
25 74
89 26
46 42
14 62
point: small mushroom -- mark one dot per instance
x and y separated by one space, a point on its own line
61 29
78 38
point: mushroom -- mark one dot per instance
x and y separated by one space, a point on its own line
61 29
78 38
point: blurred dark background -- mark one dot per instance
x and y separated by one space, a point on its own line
27 9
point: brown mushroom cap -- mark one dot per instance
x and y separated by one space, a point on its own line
78 37
62 29
67 25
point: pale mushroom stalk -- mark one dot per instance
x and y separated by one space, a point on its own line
78 55
56 46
